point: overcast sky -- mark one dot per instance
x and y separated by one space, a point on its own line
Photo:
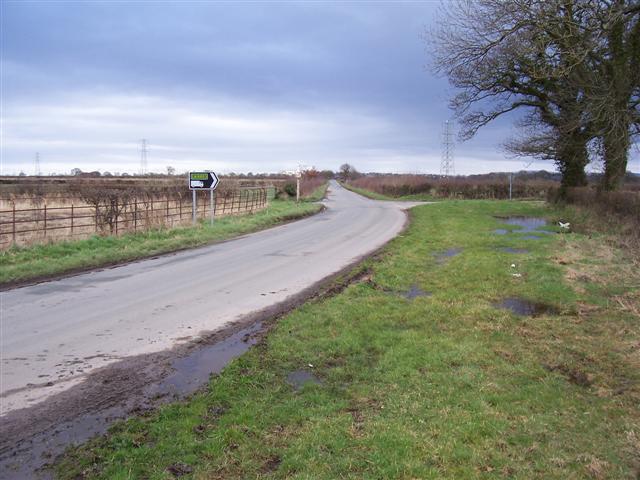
251 86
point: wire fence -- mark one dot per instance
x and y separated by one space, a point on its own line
44 223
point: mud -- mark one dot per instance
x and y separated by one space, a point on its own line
525 308
299 378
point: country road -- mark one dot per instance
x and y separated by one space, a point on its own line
53 334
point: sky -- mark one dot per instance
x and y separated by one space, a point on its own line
231 87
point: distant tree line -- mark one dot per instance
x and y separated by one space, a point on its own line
572 67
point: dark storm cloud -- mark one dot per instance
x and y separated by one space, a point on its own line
253 86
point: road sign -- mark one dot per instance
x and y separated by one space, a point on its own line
203 181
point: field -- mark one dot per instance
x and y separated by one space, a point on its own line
51 209
463 350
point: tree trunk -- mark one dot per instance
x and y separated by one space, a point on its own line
616 143
572 158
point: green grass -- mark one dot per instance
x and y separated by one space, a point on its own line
28 263
442 386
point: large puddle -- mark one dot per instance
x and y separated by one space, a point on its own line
189 373
525 308
531 225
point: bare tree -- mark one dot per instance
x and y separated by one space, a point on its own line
571 64
347 172
520 54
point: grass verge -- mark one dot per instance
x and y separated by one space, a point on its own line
439 386
21 264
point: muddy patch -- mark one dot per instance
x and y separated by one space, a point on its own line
179 469
514 250
299 378
525 308
573 375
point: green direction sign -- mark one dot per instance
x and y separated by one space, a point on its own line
203 181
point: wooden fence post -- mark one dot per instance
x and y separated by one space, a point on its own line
14 223
135 215
72 219
116 217
45 219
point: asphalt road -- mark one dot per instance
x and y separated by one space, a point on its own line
54 333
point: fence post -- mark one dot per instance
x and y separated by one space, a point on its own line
167 218
45 219
72 219
180 208
14 223
135 215
116 217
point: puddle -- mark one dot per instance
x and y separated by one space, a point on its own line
514 250
194 370
298 378
442 257
29 458
415 292
524 307
526 224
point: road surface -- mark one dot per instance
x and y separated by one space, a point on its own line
55 333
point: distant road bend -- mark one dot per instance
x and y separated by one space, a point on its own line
55 333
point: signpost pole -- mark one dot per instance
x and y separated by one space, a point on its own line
211 200
193 208
297 189
203 181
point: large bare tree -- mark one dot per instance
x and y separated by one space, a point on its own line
548 58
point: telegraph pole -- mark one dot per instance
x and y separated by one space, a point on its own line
447 165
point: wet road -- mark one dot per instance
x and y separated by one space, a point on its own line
56 332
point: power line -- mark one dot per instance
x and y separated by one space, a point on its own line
37 170
447 166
